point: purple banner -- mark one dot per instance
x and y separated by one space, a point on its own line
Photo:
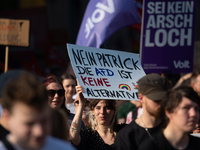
167 37
103 17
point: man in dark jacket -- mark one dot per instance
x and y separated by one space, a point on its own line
152 88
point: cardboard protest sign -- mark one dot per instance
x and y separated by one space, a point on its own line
106 74
14 32
167 38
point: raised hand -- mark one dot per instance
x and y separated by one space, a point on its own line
80 97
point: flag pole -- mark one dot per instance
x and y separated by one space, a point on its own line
6 60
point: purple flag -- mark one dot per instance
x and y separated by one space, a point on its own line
167 38
103 17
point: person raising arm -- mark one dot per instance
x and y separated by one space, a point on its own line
102 129
76 122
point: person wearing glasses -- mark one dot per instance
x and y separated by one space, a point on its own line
55 92
28 116
56 96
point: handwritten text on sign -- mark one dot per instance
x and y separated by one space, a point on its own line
106 74
14 32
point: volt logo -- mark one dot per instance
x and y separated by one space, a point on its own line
180 64
98 15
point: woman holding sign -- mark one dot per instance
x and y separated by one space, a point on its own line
103 124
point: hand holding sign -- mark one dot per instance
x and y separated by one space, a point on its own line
80 97
106 74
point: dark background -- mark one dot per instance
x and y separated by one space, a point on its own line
53 23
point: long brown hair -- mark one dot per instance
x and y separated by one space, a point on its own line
59 125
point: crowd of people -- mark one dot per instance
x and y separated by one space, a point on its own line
51 113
